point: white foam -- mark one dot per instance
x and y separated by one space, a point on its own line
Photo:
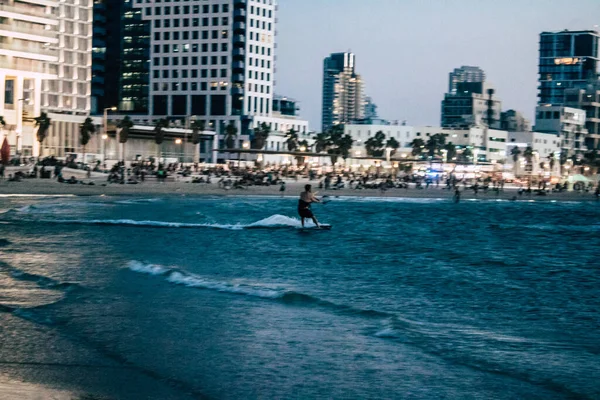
131 222
195 281
146 268
273 221
278 220
37 195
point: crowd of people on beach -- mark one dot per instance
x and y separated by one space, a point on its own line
235 177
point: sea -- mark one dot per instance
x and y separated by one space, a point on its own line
228 298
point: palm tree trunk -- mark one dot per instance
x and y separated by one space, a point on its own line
197 153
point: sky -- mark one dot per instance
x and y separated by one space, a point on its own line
405 49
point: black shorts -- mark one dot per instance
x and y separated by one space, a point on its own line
305 213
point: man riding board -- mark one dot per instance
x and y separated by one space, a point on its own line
306 199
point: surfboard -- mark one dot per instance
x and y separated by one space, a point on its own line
323 227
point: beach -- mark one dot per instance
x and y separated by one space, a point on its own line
293 188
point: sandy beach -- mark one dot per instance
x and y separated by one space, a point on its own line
51 187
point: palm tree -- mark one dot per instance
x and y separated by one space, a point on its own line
340 145
466 155
374 146
124 125
435 144
450 151
528 154
197 127
261 134
43 124
417 147
515 152
300 145
322 142
552 162
393 144
159 134
292 140
230 135
86 130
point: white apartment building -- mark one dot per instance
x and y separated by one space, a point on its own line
45 66
67 99
486 144
28 34
361 133
567 123
213 60
545 146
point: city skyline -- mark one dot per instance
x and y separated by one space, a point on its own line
502 39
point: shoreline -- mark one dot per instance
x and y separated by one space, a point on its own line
40 188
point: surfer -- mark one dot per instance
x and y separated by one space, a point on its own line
306 198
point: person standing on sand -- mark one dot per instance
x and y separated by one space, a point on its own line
457 195
282 188
306 199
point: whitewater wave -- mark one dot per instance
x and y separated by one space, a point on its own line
283 295
274 221
139 201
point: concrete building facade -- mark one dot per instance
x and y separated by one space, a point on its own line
567 59
587 99
468 107
464 74
514 121
567 123
29 36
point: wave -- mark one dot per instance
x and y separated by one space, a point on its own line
40 280
290 297
37 195
549 227
139 201
4 242
274 221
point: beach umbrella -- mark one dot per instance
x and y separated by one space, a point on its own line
5 152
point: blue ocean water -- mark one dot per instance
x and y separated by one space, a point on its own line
225 297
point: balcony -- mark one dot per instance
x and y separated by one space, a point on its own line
239 39
34 14
39 35
28 66
35 52
237 90
239 26
239 65
238 78
240 2
239 14
239 52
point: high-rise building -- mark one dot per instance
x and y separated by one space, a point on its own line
107 45
213 60
587 99
465 74
342 91
370 109
567 59
28 56
514 121
67 99
473 104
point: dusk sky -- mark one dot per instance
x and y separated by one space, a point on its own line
406 48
